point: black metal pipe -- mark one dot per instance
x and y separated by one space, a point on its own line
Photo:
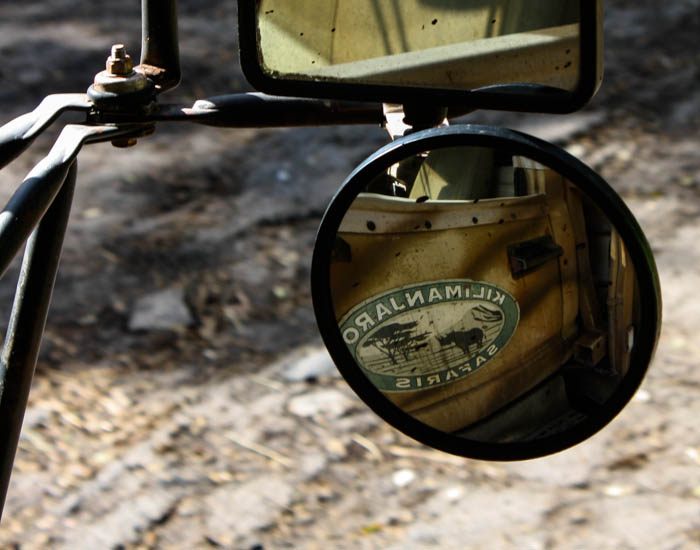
254 110
27 206
27 321
160 53
18 134
257 110
34 196
15 137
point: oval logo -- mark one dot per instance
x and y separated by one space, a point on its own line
421 336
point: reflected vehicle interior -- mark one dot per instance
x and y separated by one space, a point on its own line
484 294
446 44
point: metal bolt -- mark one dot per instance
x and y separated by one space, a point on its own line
118 51
123 143
119 63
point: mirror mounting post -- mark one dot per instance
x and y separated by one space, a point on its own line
160 54
421 117
400 120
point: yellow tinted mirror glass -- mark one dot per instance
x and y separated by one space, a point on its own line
442 44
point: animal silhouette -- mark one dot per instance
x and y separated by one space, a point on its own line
463 339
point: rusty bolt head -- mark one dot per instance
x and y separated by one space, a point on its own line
119 76
124 143
119 63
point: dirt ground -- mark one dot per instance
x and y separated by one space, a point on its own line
227 427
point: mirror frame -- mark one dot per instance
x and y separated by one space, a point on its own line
505 97
575 171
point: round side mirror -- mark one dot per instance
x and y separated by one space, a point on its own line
485 292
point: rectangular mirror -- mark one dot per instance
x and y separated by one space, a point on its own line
532 55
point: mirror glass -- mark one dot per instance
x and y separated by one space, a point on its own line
445 44
485 294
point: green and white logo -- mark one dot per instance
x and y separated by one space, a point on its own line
421 336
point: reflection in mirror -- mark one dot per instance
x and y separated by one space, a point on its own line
484 294
446 44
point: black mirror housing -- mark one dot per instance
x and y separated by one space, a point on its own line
383 79
485 292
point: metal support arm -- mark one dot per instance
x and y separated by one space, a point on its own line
255 110
38 190
32 299
160 54
18 134
39 211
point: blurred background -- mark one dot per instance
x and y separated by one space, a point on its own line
183 399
